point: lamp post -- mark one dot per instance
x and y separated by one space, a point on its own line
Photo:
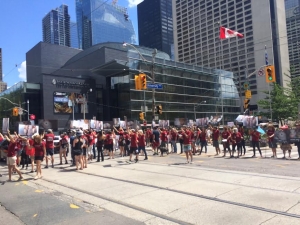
196 105
28 109
152 74
85 102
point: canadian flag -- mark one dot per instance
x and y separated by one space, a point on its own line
227 33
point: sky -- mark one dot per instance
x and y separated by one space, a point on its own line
21 30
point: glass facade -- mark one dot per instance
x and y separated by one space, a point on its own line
155 24
56 26
74 35
184 86
99 21
292 8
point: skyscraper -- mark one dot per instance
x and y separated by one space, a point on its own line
292 8
99 21
56 26
3 85
155 25
196 38
74 35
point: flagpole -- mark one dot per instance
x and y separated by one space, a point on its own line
221 68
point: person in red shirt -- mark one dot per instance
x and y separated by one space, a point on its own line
49 137
30 153
203 140
236 139
226 136
215 137
255 135
242 132
11 156
133 145
149 137
63 145
121 141
90 141
109 145
271 140
174 138
40 153
187 148
142 143
164 142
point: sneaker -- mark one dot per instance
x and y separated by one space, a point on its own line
46 167
187 162
60 163
26 167
66 162
31 171
20 178
52 166
191 162
146 159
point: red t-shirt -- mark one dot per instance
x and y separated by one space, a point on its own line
108 139
174 135
186 137
39 149
11 151
90 138
163 136
49 140
64 142
141 139
30 149
236 137
202 136
241 131
94 137
148 133
1 139
133 141
270 133
255 136
225 134
216 134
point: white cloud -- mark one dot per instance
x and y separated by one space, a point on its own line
22 71
133 3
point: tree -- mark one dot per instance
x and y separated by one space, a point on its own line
282 102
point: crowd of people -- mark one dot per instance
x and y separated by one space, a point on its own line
88 145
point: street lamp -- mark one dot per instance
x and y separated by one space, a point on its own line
28 109
196 105
85 102
152 74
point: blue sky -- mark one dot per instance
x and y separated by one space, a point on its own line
21 29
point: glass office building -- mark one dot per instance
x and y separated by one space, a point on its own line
184 86
74 35
56 26
98 22
292 9
155 24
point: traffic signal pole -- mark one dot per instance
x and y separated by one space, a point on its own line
153 81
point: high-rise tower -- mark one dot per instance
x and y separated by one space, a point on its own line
99 21
155 25
196 38
56 26
3 85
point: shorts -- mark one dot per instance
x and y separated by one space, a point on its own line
19 152
121 143
110 148
89 150
11 160
38 158
187 148
62 150
77 152
133 150
84 151
216 144
272 144
50 151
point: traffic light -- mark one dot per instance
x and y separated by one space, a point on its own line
246 103
15 112
142 116
159 109
270 74
143 81
137 82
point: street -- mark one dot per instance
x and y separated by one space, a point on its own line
162 190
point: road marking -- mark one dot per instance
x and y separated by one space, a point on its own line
72 206
25 182
17 184
34 215
38 191
280 166
87 211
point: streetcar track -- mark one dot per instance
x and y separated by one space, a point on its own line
258 208
215 181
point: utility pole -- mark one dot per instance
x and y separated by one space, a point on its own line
153 81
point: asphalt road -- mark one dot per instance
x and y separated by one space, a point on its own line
161 190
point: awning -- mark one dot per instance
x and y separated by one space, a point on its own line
111 69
